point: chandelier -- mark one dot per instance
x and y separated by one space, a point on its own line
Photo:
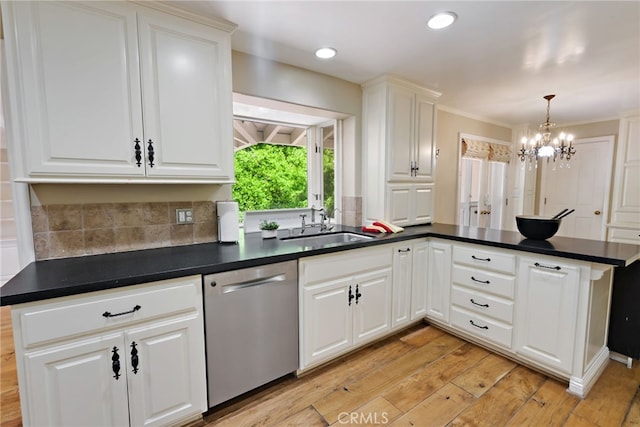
544 146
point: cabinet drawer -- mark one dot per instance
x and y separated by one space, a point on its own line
486 281
483 303
317 269
485 259
482 327
73 316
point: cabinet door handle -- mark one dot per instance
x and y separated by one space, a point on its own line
404 250
557 267
478 304
358 294
350 295
134 357
115 362
480 259
133 310
478 326
150 153
138 152
484 282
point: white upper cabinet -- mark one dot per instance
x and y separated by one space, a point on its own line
186 94
410 150
409 204
114 92
398 146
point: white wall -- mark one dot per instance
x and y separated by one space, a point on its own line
281 82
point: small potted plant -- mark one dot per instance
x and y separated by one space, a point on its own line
269 229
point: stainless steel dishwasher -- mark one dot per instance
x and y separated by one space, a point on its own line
251 328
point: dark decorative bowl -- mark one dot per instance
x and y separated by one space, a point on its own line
537 227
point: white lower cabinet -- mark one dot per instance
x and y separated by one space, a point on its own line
402 277
123 357
482 292
345 302
547 311
419 279
438 282
75 384
409 295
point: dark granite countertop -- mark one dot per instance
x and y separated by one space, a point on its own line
69 276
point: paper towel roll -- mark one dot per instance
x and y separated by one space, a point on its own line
228 227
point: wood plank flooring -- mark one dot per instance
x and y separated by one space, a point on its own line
420 377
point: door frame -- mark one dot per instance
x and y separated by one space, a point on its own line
610 140
462 135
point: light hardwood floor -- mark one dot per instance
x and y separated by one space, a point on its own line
419 377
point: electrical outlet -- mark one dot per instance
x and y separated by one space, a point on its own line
184 216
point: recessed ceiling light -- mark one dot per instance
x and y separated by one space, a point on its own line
326 52
441 20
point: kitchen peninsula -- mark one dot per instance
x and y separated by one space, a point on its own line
544 304
70 276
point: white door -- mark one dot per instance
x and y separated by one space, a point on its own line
583 186
546 310
401 293
328 320
78 384
81 83
439 282
186 94
419 269
166 371
372 310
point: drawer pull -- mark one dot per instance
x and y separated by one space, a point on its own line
134 357
485 282
478 326
557 267
358 294
115 362
350 295
404 250
133 310
478 304
480 259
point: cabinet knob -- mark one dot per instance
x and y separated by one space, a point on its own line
597 212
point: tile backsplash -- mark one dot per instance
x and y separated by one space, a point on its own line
70 230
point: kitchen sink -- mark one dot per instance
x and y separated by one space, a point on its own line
326 239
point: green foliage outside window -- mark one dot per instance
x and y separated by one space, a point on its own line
329 177
270 177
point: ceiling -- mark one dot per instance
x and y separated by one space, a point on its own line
496 62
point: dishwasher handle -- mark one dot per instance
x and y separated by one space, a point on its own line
251 283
